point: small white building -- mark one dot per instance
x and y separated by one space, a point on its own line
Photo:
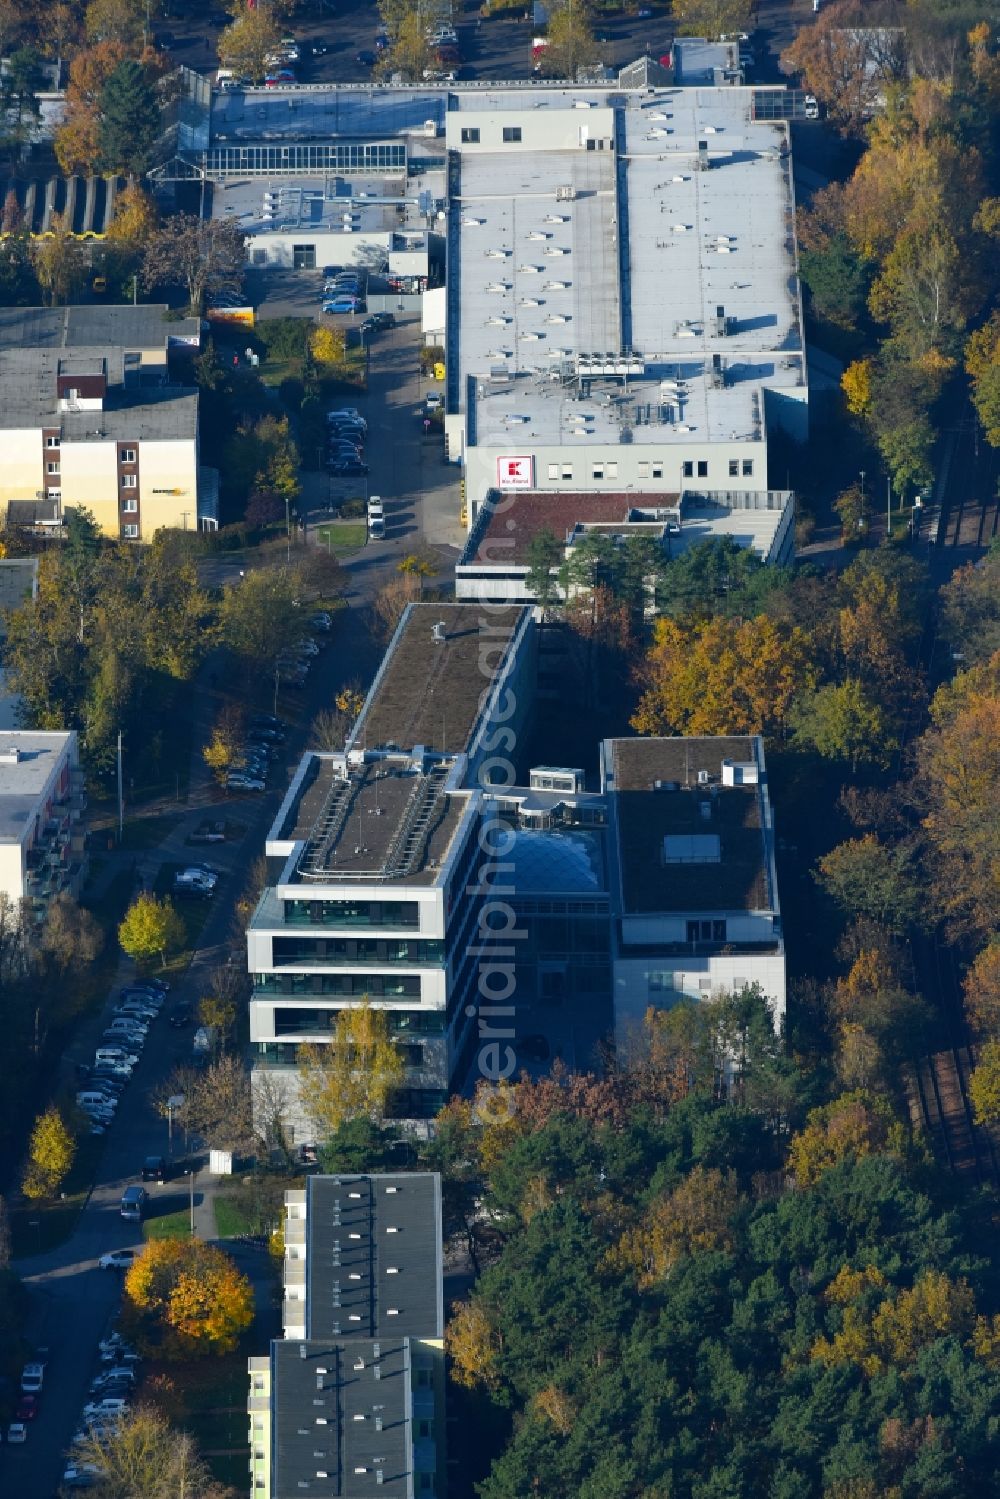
41 800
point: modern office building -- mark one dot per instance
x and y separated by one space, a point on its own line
655 881
41 803
693 877
92 415
351 1401
376 849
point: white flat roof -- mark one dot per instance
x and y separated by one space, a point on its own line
697 240
23 781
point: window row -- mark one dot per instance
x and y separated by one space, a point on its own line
651 469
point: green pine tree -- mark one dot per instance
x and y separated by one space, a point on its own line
130 121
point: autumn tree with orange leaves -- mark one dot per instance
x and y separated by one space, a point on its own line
188 1297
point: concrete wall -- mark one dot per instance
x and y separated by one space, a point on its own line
549 130
12 870
647 468
741 926
692 977
23 464
168 485
90 478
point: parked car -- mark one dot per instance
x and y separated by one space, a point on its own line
350 412
811 107
365 59
111 1087
32 1379
339 304
384 319
112 1405
130 1049
343 470
114 1374
80 1476
267 721
180 1016
134 1007
265 736
17 1432
117 1259
237 781
162 986
143 991
27 1408
154 1169
433 401
115 1349
208 832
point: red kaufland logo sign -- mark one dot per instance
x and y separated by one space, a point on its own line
515 473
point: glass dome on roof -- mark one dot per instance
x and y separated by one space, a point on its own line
556 863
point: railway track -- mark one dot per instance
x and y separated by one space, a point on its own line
972 524
938 1097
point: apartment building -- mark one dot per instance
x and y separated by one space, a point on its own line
352 1400
101 424
41 804
376 898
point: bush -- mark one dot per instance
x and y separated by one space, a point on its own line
285 337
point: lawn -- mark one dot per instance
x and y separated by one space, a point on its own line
211 1403
231 1218
343 536
37 1227
169 1226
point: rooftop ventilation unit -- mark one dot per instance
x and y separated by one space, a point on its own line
718 374
566 194
703 160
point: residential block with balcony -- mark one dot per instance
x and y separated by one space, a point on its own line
352 1399
41 802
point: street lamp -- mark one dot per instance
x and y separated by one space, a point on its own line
288 533
191 1173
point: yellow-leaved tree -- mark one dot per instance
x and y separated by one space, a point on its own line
856 383
151 928
50 1155
189 1297
327 346
853 1126
695 1218
723 676
473 1343
353 1074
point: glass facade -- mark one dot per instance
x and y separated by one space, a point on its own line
365 913
318 985
297 1022
338 952
330 156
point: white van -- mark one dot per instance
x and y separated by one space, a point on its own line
93 1100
